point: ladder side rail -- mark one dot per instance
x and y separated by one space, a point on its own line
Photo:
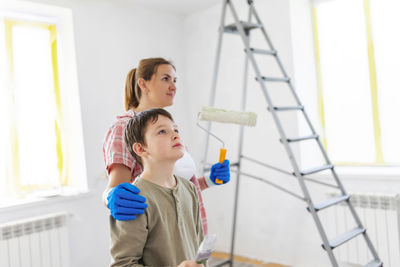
354 213
264 32
238 174
282 68
290 82
271 46
293 89
214 80
365 235
327 160
264 89
240 150
357 219
283 137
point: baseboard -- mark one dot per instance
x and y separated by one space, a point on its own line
241 259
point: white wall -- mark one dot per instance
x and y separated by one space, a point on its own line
110 38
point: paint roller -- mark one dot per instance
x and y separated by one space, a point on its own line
225 116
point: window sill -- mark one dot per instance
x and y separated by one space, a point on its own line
47 198
373 173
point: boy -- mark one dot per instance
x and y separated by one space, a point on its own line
170 230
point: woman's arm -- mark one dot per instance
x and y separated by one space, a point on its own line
122 197
202 183
119 173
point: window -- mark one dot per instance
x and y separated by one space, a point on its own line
41 140
358 61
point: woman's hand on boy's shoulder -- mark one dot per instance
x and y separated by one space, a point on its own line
190 264
125 203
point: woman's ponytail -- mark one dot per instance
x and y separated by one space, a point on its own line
130 98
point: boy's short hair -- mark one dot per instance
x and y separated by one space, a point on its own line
136 128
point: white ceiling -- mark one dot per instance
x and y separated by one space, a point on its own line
183 7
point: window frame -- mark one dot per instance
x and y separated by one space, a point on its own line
72 175
379 159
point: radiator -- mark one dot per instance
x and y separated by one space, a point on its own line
35 242
380 214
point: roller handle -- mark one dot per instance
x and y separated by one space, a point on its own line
222 155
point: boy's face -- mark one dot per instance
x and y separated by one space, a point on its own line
163 142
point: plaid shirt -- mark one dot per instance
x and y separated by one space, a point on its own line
115 151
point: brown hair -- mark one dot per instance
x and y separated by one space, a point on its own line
146 69
136 128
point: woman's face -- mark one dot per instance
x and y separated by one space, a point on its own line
161 87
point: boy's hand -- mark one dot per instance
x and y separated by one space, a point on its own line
125 203
190 264
221 172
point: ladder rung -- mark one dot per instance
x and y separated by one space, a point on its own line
374 263
287 108
296 139
274 79
263 51
343 238
247 26
330 202
316 169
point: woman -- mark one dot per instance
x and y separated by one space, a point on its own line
151 85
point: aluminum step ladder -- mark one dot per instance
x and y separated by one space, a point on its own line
243 29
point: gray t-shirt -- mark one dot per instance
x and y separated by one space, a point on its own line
169 232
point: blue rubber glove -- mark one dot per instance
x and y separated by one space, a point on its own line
125 203
221 172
